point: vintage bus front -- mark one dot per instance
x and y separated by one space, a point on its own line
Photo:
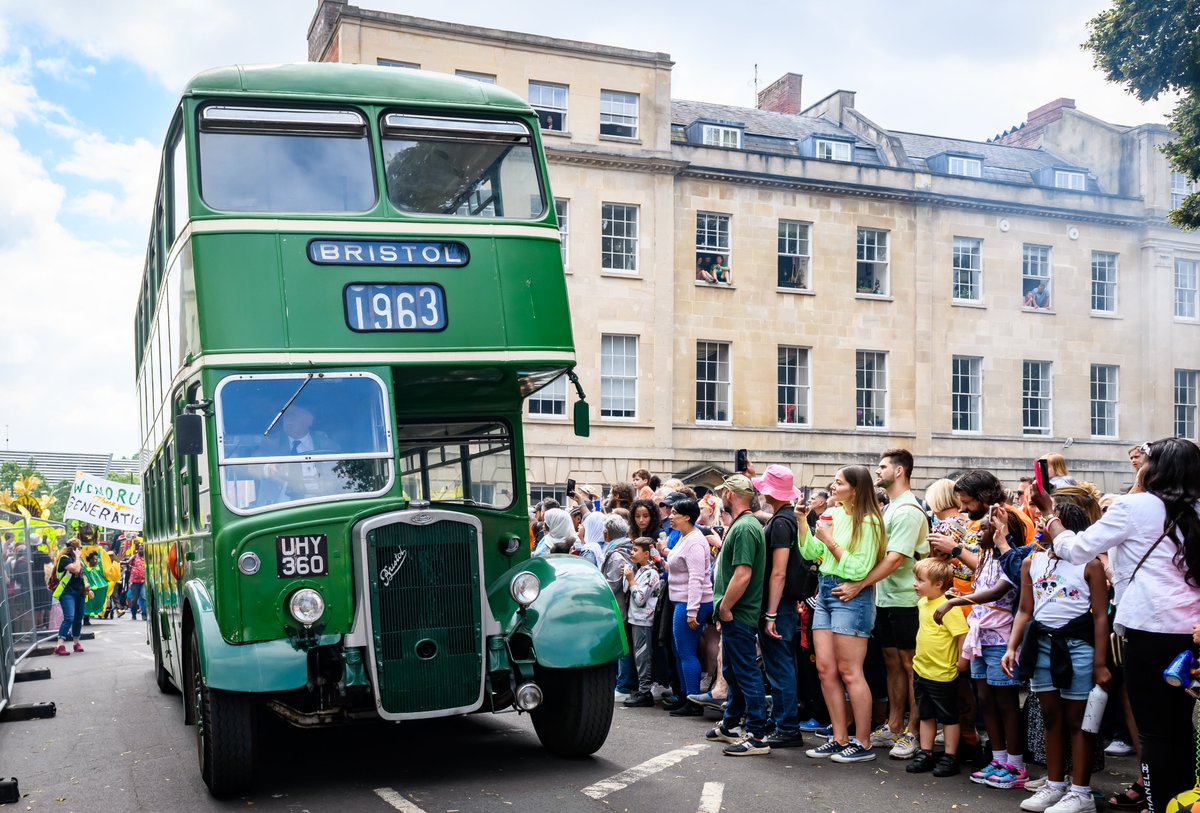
369 285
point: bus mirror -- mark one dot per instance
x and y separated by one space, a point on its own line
189 434
583 423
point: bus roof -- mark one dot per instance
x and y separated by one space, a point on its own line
362 83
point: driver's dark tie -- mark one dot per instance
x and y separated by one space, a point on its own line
295 447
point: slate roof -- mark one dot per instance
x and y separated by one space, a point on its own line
1000 162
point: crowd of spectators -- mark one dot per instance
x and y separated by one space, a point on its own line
877 621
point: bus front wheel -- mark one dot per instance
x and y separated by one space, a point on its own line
577 709
226 724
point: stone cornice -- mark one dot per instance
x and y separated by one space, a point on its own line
609 160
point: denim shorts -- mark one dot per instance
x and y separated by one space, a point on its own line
855 617
987 666
1081 670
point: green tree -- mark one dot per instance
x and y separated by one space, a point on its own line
11 471
1153 47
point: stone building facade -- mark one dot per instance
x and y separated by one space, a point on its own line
873 288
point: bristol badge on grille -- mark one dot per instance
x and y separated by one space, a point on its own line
306 555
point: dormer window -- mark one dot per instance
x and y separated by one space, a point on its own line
961 165
717 136
827 149
1064 179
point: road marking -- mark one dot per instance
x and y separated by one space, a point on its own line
648 768
397 801
710 797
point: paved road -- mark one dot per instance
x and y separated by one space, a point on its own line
117 744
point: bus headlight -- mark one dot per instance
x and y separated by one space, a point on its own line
525 588
307 606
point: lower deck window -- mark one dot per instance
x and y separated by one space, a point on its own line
469 462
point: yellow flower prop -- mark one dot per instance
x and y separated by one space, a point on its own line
23 498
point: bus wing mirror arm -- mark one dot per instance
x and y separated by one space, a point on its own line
581 417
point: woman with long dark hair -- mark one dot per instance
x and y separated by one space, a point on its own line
691 589
644 519
1153 545
850 540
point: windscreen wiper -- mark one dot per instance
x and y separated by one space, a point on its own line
285 407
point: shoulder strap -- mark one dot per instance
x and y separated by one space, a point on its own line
1170 529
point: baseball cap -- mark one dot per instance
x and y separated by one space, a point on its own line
737 484
674 497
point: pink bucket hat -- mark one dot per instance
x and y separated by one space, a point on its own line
777 482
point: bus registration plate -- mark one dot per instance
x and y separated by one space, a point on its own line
395 307
305 555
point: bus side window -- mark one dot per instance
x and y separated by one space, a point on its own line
172 521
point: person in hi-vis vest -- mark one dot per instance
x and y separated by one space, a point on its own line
72 592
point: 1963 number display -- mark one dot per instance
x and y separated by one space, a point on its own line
395 307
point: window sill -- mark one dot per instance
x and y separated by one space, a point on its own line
1182 320
875 297
794 426
713 423
873 430
703 284
622 421
796 291
563 419
1047 311
556 133
609 272
1105 315
968 303
621 139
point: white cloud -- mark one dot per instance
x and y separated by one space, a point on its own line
64 70
131 166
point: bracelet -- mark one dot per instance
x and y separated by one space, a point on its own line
770 616
1052 519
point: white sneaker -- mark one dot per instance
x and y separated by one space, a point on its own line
906 747
1045 797
1119 748
883 737
1074 803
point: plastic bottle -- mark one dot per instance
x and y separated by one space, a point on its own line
1094 712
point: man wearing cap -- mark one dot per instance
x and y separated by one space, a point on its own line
781 591
737 598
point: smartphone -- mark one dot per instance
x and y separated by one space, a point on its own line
1041 476
570 488
741 460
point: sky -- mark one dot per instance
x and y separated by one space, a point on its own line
87 90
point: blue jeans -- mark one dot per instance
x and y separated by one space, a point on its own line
136 598
779 661
627 676
740 668
687 642
72 607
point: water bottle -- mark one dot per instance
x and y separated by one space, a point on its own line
1094 712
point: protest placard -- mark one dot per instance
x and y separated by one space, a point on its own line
102 502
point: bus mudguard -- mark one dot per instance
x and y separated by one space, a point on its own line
574 622
268 666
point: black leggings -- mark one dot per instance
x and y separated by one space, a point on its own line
1163 715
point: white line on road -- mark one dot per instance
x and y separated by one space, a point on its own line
710 797
648 768
397 801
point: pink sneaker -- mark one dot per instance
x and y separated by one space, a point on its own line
78 647
62 650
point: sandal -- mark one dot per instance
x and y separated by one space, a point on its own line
1132 798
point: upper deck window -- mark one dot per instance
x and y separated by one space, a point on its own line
461 167
285 160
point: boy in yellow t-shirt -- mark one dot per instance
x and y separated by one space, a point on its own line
936 667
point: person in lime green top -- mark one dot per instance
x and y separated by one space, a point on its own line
850 540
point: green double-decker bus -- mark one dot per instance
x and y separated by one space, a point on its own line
352 283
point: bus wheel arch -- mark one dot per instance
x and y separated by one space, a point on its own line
187 630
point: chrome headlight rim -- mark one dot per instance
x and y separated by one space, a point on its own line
306 606
249 563
525 588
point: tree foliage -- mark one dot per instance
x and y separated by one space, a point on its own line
1153 47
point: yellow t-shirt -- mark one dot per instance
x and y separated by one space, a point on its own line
937 644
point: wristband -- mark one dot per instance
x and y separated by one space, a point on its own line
1052 519
770 616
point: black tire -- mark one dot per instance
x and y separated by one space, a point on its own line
161 676
574 718
226 730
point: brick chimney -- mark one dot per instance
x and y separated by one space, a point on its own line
321 31
783 95
1029 134
1049 112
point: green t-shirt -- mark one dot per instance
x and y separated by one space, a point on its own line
745 544
906 526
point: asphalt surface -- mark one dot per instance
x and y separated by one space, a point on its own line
117 744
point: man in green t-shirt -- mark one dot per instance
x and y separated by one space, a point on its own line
896 617
737 600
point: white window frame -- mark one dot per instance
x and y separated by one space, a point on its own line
966 390
715 135
870 392
1104 393
544 490
631 218
831 149
1067 179
1187 289
482 78
722 387
966 167
1104 281
795 248
1181 187
619 108
611 376
713 237
871 248
550 401
1187 383
562 212
1041 400
793 390
967 261
551 106
1036 259
395 63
